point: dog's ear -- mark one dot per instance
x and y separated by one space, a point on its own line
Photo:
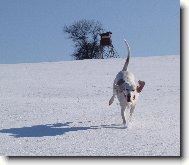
140 86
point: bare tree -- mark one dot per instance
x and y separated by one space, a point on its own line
84 34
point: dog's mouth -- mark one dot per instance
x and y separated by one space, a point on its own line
128 99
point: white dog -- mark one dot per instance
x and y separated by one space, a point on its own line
125 88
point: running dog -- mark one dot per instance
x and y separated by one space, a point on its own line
125 88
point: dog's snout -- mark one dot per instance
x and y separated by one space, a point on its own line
129 98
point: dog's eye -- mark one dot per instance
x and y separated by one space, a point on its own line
133 90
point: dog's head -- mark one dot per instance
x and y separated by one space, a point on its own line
129 90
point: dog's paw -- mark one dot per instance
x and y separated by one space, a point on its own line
124 126
110 103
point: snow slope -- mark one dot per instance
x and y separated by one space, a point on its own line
61 109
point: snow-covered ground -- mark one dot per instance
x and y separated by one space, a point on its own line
61 109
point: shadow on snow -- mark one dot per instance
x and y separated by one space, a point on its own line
52 129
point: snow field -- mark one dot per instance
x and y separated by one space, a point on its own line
61 109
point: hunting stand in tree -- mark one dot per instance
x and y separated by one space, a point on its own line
106 46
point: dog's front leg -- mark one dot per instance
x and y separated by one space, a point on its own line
112 99
123 114
114 93
131 112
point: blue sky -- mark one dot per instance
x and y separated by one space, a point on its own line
32 30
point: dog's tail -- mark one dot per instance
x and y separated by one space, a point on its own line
128 57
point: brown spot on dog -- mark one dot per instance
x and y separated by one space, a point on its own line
120 82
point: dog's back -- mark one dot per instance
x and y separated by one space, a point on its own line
126 76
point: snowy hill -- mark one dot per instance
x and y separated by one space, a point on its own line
61 109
